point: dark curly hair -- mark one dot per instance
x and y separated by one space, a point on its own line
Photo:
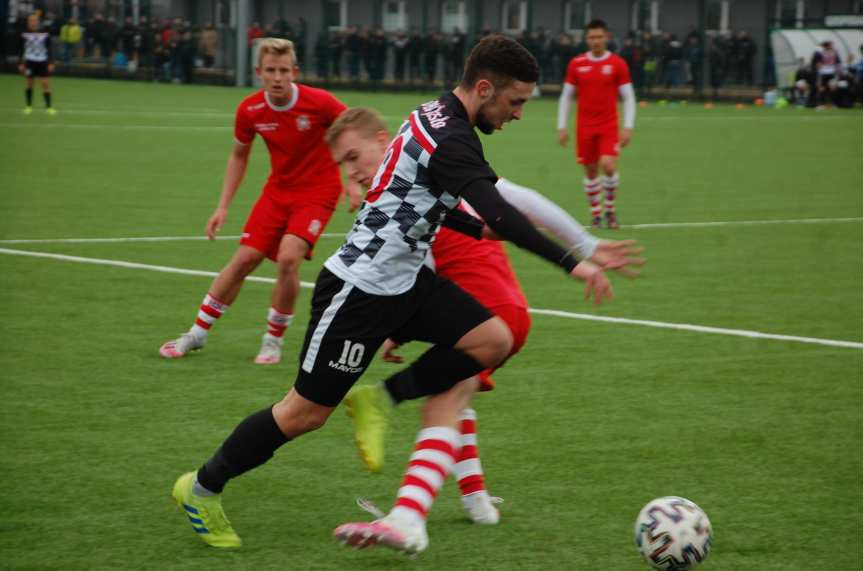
500 60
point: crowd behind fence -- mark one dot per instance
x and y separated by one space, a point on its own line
176 50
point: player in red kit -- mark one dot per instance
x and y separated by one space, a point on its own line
297 201
359 141
599 77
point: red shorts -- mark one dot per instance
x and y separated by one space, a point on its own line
270 220
518 320
595 142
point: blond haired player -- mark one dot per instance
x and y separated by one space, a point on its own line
296 203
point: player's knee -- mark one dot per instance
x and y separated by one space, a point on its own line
288 262
294 420
498 343
245 262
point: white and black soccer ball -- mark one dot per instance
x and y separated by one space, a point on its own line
673 534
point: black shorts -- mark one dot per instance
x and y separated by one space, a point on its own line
36 69
348 325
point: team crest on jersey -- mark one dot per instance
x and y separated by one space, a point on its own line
266 126
303 123
606 69
315 227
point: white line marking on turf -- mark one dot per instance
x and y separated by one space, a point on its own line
134 265
552 312
94 126
740 223
134 239
342 234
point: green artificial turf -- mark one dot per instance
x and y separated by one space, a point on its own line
589 423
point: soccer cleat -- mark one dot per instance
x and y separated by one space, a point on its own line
28 110
181 346
611 221
369 408
205 513
480 508
51 111
390 531
271 351
597 222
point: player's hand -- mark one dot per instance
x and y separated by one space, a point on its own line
563 137
51 67
21 68
215 223
625 137
619 256
388 355
355 195
596 283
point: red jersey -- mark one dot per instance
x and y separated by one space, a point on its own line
597 81
300 160
480 267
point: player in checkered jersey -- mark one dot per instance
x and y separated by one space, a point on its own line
359 140
296 203
36 60
376 286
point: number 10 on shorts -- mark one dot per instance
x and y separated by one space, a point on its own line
352 354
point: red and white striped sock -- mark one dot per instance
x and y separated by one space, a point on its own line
211 309
430 463
467 469
593 190
277 322
610 184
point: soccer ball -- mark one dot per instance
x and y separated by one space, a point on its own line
673 534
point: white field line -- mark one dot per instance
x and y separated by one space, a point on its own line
551 312
342 234
95 126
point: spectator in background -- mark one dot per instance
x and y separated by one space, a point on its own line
745 54
633 56
353 47
129 37
431 49
717 60
148 42
672 61
367 51
565 52
415 56
858 77
803 88
322 56
208 44
651 51
378 48
694 62
70 35
826 63
337 45
300 36
255 32
186 56
400 50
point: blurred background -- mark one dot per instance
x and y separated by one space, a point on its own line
676 49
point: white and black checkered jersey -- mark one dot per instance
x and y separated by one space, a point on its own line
434 156
36 46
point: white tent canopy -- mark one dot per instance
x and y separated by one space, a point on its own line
791 45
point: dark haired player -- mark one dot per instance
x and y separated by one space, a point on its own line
600 77
376 286
36 60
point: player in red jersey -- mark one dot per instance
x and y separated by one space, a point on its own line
600 77
297 201
359 140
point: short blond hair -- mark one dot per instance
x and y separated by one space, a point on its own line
276 46
365 120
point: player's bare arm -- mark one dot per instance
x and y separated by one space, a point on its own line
238 161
